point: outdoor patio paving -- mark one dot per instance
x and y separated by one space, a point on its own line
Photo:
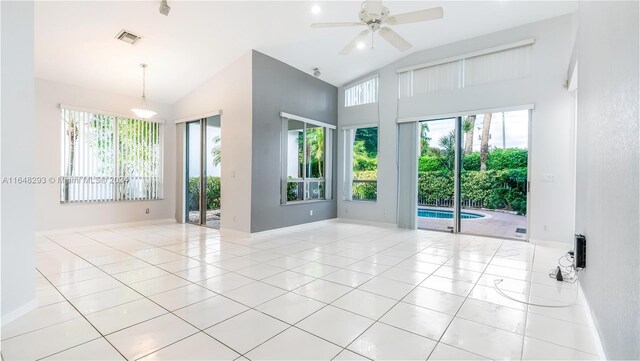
495 224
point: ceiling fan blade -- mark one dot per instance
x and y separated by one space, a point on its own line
354 43
394 39
416 16
336 25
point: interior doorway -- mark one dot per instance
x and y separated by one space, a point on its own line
473 174
203 172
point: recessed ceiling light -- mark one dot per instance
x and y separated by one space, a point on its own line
360 45
316 9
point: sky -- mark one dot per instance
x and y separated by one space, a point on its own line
516 130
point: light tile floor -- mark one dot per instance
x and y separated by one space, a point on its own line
327 290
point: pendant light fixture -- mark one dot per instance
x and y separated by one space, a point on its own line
143 112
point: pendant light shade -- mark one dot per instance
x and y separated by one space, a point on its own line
143 112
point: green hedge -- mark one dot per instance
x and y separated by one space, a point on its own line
213 192
495 189
368 190
497 159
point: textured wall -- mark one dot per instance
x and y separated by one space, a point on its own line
18 143
607 171
228 91
50 213
279 87
552 131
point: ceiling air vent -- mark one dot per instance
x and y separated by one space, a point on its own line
128 37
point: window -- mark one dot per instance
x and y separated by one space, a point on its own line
306 159
361 162
109 158
365 92
512 61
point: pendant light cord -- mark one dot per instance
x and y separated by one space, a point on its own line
144 85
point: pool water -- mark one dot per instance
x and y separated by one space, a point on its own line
432 213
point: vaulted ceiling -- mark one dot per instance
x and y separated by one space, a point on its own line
74 41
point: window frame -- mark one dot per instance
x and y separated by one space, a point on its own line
157 188
347 188
305 181
361 83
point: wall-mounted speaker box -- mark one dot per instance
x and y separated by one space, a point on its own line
580 251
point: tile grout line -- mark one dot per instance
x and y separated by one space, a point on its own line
307 243
465 299
412 290
98 267
526 315
330 304
168 311
89 322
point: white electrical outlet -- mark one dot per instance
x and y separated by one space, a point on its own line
311 212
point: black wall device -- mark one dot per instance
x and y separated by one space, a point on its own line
580 251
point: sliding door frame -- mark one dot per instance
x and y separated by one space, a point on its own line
186 173
202 183
457 207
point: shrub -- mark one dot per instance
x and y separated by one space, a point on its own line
433 186
213 193
365 190
471 161
363 163
429 164
507 159
494 189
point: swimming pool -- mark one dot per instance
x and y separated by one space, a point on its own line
444 214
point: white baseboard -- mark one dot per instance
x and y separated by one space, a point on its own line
110 225
366 222
20 311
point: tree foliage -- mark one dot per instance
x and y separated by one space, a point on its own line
213 193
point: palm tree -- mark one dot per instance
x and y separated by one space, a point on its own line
215 151
72 133
319 149
484 144
467 127
447 142
424 139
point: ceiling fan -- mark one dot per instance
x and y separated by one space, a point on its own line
375 17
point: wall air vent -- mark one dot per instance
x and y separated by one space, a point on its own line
128 37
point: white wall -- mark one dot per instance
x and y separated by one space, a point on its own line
608 173
229 91
50 213
18 125
552 146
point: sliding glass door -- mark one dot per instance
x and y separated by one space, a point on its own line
203 172
494 174
193 171
473 172
436 175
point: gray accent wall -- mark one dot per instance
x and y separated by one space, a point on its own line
607 171
278 87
